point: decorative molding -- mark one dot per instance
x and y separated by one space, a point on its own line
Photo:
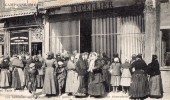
152 6
149 6
37 35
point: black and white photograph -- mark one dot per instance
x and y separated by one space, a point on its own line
84 49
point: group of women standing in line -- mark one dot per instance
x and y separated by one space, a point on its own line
19 72
146 79
92 74
83 74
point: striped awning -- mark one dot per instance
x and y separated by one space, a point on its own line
17 12
60 3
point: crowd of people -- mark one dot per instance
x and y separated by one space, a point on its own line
82 75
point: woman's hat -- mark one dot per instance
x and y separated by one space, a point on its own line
116 59
60 63
32 65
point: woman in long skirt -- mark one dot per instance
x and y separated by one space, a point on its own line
155 81
139 87
96 86
106 74
4 79
81 68
17 74
49 87
72 82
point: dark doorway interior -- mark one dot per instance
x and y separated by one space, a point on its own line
85 35
36 48
166 47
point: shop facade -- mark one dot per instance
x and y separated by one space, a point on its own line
22 32
97 26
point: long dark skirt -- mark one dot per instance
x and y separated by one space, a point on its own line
96 85
96 89
16 83
155 86
83 85
139 87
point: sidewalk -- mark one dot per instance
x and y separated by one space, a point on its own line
10 94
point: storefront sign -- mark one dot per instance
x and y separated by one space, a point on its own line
14 38
100 5
22 21
92 6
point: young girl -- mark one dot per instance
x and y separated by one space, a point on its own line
126 76
115 74
32 82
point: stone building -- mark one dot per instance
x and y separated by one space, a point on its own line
20 27
125 27
110 26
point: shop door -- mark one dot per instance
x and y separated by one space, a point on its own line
85 35
165 48
36 48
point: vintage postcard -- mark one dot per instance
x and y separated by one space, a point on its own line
85 49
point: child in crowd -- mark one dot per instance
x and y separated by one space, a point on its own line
115 74
32 82
126 76
61 75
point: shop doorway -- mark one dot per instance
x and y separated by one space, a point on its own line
85 35
165 49
36 48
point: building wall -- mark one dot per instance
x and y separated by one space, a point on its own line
166 80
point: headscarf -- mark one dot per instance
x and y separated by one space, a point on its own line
93 56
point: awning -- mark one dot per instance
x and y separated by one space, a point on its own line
17 12
61 3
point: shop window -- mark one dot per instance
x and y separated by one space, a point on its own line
65 36
19 43
120 34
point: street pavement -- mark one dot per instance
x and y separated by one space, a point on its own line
10 94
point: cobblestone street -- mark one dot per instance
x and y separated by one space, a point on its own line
10 94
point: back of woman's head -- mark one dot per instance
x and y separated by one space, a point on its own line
154 57
49 57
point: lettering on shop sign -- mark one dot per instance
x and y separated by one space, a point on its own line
21 22
92 6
